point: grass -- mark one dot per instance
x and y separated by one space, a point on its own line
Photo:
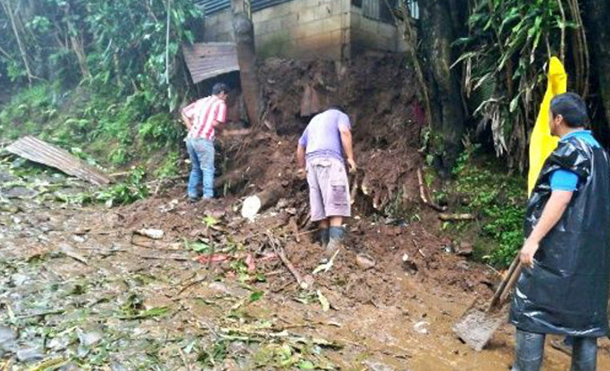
483 187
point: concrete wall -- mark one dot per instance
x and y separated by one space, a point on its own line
218 27
369 34
309 29
305 29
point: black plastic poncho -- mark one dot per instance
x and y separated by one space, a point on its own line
567 290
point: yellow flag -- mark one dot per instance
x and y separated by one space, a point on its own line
541 142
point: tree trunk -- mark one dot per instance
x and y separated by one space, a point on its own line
9 12
246 58
260 201
596 14
447 109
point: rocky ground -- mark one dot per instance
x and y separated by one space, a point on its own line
81 289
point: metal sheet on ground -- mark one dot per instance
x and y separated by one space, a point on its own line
36 150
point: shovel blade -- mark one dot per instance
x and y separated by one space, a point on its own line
477 326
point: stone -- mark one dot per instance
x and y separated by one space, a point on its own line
59 343
377 366
89 338
7 338
365 261
232 290
30 354
465 249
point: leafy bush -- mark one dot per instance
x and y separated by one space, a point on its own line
169 167
25 111
127 192
499 199
505 53
160 129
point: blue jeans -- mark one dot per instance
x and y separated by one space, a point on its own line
201 152
530 352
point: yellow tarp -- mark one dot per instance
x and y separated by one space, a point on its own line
542 143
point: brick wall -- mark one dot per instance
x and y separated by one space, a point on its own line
309 29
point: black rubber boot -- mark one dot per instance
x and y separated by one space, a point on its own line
322 237
336 236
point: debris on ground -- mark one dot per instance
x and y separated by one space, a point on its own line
216 291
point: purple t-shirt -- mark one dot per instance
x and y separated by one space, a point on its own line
322 136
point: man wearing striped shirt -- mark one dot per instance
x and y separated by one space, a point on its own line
202 118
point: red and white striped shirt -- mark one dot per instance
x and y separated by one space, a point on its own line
203 113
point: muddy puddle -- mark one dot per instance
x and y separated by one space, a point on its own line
78 292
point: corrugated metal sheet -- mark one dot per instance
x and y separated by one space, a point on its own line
207 60
44 153
215 6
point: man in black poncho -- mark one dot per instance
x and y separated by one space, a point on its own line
564 287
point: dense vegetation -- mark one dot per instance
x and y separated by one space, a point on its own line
104 75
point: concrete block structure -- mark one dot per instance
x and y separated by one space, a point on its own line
311 29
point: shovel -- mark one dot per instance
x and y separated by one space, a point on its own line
479 322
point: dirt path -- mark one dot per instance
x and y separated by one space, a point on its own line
80 291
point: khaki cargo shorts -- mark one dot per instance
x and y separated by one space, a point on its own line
328 188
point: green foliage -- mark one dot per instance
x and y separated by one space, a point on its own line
25 111
127 192
499 199
160 129
504 57
169 167
105 43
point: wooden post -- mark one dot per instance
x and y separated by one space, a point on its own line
246 58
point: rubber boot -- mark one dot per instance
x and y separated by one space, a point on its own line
322 237
336 236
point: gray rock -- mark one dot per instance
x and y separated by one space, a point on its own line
227 289
29 354
6 334
59 343
89 338
7 339
115 366
19 192
377 366
19 279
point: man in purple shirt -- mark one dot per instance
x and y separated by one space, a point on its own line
327 140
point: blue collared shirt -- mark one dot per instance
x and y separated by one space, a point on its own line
566 180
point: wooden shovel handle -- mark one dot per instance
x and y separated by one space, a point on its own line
511 283
501 288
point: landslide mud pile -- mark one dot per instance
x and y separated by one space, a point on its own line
379 94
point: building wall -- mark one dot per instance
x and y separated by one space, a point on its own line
370 34
309 29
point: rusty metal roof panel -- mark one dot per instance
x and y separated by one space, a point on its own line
207 60
36 150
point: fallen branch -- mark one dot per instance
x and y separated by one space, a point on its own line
295 229
41 314
71 254
172 257
422 194
191 284
291 268
456 217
